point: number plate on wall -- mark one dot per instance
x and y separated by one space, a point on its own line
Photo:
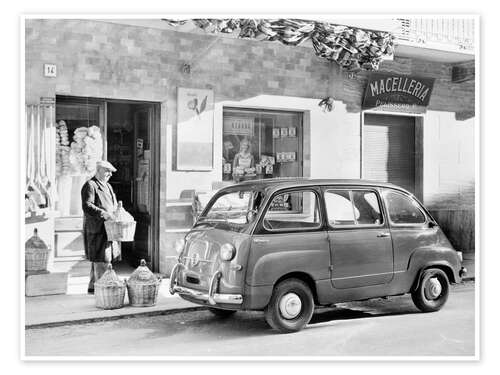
49 70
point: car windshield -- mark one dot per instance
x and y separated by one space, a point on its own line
235 209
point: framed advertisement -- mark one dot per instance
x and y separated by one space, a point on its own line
195 121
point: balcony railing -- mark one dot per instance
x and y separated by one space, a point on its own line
446 34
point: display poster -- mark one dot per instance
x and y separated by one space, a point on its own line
239 126
281 203
195 118
143 177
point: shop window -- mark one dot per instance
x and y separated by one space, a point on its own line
261 144
79 144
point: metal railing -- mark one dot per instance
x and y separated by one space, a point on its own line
452 34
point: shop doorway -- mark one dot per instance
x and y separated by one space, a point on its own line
392 150
130 128
130 140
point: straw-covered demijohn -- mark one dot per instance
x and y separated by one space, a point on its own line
143 286
109 290
36 253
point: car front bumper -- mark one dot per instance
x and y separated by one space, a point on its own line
211 297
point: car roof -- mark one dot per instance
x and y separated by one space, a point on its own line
290 182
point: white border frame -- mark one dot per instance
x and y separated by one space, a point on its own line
181 15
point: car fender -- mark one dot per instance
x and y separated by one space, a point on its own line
438 257
270 267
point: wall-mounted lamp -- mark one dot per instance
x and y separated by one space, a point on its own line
326 104
186 68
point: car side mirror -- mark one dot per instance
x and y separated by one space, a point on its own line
432 224
251 215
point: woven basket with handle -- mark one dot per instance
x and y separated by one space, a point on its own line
120 231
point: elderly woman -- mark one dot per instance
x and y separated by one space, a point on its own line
243 161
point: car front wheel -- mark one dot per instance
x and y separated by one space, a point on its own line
432 291
291 306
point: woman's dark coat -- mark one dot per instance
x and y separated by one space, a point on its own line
97 197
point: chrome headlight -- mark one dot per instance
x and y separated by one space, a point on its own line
179 245
227 252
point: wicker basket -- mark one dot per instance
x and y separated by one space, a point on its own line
143 286
36 254
120 231
36 259
109 290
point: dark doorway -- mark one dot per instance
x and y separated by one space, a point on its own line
130 131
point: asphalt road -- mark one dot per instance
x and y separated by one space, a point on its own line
392 327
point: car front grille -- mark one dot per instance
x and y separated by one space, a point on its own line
201 256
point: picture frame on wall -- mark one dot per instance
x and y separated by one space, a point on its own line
195 122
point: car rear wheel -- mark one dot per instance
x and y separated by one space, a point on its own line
221 313
291 306
432 291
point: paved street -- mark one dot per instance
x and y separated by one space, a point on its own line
371 328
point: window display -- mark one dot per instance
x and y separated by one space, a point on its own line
79 145
261 144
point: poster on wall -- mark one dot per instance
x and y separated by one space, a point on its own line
195 118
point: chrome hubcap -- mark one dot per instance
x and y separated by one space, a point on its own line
290 305
433 289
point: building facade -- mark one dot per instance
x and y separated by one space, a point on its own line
128 79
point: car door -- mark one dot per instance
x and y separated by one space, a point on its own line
359 237
290 238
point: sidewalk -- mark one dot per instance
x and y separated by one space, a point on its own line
78 307
56 310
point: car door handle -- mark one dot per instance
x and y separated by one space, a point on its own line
259 240
384 234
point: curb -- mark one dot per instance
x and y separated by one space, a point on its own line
116 317
134 315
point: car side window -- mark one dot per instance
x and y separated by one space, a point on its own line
339 207
356 207
367 205
293 210
403 209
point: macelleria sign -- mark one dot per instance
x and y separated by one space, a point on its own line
393 92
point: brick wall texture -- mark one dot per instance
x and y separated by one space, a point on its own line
109 60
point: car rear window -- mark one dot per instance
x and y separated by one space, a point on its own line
403 209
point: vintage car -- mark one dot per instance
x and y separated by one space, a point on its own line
285 246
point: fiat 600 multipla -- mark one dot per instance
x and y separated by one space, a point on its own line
285 246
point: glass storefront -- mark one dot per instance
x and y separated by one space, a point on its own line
261 144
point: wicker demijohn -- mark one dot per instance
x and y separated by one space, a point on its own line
36 253
143 286
109 290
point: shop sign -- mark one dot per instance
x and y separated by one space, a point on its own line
399 93
239 126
